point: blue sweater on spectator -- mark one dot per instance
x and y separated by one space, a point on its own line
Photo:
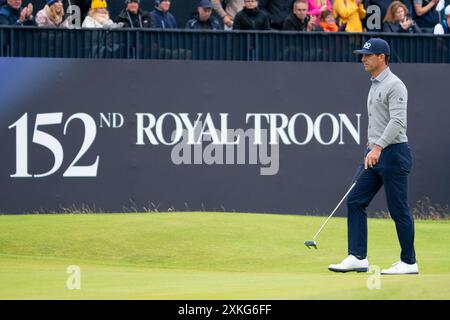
10 17
163 20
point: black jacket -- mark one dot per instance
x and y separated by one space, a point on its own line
211 24
251 20
142 19
396 27
10 17
276 10
292 23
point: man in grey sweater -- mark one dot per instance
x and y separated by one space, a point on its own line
387 163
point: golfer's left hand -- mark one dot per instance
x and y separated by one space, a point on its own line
372 157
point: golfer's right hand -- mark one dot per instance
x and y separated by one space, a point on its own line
372 157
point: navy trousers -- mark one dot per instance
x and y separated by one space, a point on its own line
391 172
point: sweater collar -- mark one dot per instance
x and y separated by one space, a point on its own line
382 75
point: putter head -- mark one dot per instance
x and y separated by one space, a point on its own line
311 243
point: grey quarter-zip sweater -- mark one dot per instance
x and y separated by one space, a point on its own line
387 110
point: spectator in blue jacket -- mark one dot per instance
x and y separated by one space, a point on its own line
161 16
203 19
12 14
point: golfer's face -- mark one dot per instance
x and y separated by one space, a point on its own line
372 61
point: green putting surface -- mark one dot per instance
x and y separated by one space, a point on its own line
199 255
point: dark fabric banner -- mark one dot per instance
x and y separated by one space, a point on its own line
115 136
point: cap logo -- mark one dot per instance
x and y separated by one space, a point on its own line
367 45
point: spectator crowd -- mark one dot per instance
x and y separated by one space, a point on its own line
406 16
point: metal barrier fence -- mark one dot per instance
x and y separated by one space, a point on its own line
214 45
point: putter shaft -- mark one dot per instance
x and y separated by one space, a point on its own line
340 202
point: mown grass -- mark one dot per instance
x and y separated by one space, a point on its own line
200 255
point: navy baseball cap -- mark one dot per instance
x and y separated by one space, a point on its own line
205 4
375 46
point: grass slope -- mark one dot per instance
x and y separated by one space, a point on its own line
208 256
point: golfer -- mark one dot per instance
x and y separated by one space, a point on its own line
388 163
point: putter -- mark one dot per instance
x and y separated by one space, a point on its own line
313 243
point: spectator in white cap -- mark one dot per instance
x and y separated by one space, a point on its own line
203 19
444 26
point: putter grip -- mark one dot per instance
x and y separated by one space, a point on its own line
361 172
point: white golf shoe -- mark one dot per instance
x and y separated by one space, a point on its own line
351 263
402 268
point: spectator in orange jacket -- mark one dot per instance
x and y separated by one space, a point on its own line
327 21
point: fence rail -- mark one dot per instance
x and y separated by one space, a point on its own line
214 45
